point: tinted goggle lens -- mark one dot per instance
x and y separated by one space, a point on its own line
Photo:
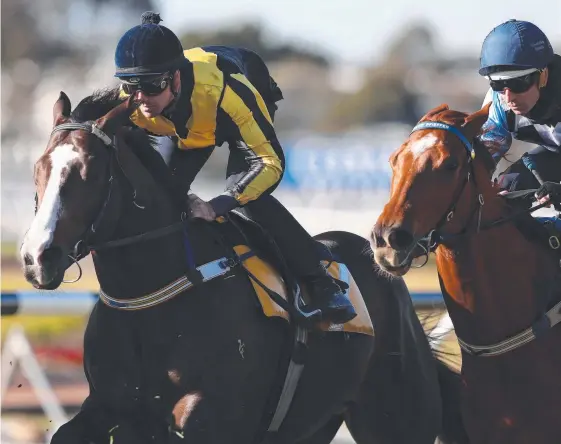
517 85
150 88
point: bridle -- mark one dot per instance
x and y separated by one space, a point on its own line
548 319
435 237
81 248
85 244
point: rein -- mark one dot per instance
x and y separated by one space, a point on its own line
434 237
83 247
143 237
430 242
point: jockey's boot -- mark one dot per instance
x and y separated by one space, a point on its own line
330 297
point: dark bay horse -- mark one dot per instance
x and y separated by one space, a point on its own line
498 274
206 365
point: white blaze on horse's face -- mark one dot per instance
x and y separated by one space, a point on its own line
40 234
423 144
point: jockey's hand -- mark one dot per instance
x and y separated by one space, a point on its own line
199 209
549 191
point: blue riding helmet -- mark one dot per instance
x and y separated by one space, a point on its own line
148 49
515 46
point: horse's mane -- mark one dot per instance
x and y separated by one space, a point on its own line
96 105
100 103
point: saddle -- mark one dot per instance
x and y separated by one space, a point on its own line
278 291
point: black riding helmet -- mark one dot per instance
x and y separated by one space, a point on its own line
148 49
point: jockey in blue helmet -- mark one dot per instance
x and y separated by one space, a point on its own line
203 97
525 90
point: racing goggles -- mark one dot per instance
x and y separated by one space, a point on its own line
517 84
151 87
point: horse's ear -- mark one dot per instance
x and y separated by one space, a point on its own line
61 109
435 110
117 117
473 123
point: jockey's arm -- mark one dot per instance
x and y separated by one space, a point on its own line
250 119
496 136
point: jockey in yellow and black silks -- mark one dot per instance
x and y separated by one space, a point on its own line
203 97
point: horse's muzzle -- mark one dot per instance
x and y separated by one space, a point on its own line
47 272
395 262
393 248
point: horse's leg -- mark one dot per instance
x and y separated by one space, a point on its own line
78 430
195 420
110 409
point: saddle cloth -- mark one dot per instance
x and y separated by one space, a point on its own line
551 220
268 276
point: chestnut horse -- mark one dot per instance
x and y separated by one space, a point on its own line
498 275
207 366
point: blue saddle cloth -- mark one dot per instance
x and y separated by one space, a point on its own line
553 220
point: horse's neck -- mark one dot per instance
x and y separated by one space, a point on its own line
142 267
493 283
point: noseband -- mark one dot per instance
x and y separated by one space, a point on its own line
81 248
429 242
84 245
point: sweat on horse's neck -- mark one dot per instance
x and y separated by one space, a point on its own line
490 281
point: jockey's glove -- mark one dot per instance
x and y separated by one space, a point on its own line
551 189
199 209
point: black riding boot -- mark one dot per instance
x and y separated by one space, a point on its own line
330 297
302 256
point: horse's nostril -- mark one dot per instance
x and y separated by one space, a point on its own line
27 259
52 254
377 236
377 239
400 239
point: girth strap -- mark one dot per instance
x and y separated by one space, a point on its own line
546 322
207 271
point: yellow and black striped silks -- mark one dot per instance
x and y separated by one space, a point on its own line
194 121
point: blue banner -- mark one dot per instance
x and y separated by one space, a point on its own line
337 163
